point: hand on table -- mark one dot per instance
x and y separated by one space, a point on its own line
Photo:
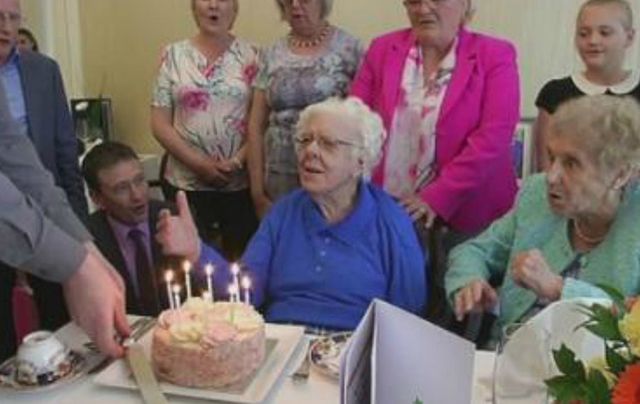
476 297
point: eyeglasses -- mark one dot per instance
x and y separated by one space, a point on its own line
12 18
325 145
122 188
415 5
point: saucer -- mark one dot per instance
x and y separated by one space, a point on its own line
324 353
8 380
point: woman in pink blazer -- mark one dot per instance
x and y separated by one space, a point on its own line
450 100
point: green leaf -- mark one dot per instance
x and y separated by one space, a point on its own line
565 389
616 296
604 324
616 362
568 364
597 388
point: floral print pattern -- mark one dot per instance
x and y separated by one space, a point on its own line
210 104
412 139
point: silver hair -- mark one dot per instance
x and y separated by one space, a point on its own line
325 11
606 127
369 126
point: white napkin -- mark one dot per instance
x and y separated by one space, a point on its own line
527 358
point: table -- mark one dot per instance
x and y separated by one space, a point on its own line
317 390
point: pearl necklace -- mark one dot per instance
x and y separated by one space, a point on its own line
310 43
585 238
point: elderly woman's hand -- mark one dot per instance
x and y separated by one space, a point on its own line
477 296
418 210
531 271
178 235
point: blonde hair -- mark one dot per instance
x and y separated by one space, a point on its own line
325 8
606 126
369 125
623 4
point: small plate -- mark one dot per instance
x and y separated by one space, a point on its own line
324 353
9 383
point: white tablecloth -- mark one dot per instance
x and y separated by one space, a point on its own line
317 390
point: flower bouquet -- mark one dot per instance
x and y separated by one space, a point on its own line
613 379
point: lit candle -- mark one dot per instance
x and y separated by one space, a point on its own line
233 293
246 285
176 296
208 269
187 277
206 296
168 277
235 270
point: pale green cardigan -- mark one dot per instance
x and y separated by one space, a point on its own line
532 224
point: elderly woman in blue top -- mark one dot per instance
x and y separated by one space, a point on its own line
573 228
324 251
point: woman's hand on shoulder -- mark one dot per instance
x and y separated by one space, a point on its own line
419 210
476 297
530 270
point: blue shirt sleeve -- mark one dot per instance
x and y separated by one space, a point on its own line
406 264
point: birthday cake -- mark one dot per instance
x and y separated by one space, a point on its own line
206 344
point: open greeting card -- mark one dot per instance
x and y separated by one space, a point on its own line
395 357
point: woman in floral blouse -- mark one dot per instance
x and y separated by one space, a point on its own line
313 62
199 115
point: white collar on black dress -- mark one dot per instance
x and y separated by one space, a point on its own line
589 88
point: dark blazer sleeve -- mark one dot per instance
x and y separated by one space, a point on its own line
38 230
66 147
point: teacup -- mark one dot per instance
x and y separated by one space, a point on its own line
41 359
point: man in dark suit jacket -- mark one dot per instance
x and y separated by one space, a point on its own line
124 227
37 101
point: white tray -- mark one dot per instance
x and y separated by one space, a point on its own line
286 339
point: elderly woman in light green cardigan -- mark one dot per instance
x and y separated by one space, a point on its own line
574 227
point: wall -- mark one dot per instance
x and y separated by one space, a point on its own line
122 39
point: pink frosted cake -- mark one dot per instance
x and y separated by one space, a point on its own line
206 344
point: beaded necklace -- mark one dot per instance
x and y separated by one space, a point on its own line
310 43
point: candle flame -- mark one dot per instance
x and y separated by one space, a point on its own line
246 282
176 288
168 276
186 266
235 269
208 269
